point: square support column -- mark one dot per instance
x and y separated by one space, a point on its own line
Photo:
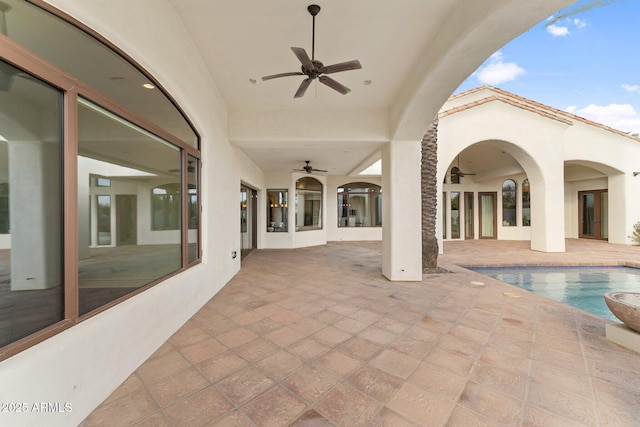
36 215
401 213
547 212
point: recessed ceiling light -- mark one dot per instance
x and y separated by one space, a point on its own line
367 82
148 86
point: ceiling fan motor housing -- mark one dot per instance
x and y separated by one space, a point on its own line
313 9
315 71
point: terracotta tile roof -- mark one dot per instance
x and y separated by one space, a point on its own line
529 105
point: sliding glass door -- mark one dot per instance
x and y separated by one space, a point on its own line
468 215
248 224
487 215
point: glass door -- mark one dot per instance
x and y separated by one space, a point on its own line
455 215
126 219
468 215
487 215
248 225
593 211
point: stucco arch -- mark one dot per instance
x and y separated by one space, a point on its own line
532 161
525 136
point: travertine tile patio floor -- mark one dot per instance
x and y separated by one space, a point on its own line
318 337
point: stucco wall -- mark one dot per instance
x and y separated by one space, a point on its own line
84 364
524 136
560 157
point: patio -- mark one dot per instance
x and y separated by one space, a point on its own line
317 336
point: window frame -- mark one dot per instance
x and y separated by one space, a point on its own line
346 193
312 227
526 202
285 209
515 202
454 206
72 89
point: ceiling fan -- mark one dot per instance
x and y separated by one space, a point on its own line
315 69
456 173
308 168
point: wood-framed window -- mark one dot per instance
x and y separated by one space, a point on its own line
359 205
96 245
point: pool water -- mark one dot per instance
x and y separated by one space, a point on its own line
580 287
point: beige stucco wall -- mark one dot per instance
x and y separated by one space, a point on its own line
545 147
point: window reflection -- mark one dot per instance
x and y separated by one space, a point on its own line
31 260
509 203
104 220
124 83
193 211
166 207
119 165
308 204
145 231
359 205
277 208
526 203
455 215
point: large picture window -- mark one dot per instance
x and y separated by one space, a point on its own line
127 199
31 264
308 204
359 205
509 203
146 235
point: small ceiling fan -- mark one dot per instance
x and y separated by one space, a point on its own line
315 69
308 168
456 173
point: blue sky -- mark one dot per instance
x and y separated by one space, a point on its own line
584 59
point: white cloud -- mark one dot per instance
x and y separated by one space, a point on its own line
631 88
497 71
561 30
618 116
579 23
571 109
558 31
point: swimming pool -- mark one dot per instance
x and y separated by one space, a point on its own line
581 287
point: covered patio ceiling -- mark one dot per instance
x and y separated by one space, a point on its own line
414 53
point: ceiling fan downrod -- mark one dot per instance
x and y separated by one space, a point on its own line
313 9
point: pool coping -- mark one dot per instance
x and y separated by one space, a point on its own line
630 264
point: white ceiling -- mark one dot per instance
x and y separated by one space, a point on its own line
414 52
250 39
